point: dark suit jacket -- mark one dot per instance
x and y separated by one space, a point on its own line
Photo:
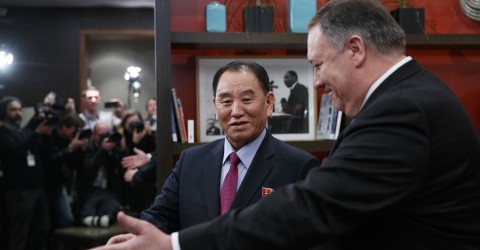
405 174
191 194
297 104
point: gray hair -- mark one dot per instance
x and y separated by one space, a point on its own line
340 19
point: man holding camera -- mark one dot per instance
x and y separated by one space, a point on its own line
61 153
21 177
100 177
141 179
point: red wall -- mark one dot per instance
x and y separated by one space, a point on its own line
459 68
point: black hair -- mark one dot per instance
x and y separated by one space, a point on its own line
293 73
259 72
4 105
71 119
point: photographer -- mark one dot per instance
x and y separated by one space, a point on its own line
141 179
100 176
61 154
118 107
22 176
53 108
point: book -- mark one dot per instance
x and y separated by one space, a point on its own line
191 131
177 116
174 126
182 120
329 120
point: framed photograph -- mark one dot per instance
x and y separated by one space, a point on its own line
291 80
329 120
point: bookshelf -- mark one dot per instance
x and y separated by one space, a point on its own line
297 41
245 41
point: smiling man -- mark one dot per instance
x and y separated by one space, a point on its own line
243 103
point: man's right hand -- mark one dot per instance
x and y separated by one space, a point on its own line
137 160
44 128
143 235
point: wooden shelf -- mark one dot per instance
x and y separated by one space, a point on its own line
239 40
445 40
311 146
167 40
298 41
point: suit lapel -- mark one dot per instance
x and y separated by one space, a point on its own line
211 174
259 170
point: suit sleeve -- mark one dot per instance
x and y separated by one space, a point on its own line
146 173
378 163
164 213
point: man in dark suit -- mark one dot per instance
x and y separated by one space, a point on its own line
297 104
405 174
243 103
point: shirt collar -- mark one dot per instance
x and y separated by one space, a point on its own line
383 77
91 117
247 153
293 86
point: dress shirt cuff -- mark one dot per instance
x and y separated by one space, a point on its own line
175 242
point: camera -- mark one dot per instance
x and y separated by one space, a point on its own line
85 134
114 137
49 112
137 125
111 104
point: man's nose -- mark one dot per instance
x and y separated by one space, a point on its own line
318 83
237 108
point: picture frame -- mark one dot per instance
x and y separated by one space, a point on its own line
281 124
329 119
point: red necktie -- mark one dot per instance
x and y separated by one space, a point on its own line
229 187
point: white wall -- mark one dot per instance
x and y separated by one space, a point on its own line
108 60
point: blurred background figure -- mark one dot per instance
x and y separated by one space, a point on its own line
62 153
119 108
92 113
140 189
100 178
151 119
212 128
22 177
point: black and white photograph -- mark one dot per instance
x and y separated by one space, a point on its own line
291 79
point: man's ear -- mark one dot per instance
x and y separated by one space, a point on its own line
356 46
215 107
270 100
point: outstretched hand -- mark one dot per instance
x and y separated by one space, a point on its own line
142 235
137 160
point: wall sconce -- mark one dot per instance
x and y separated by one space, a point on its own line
132 75
6 58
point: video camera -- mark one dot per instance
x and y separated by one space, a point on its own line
111 104
114 137
85 134
49 111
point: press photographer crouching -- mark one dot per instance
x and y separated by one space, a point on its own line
62 153
22 176
100 177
